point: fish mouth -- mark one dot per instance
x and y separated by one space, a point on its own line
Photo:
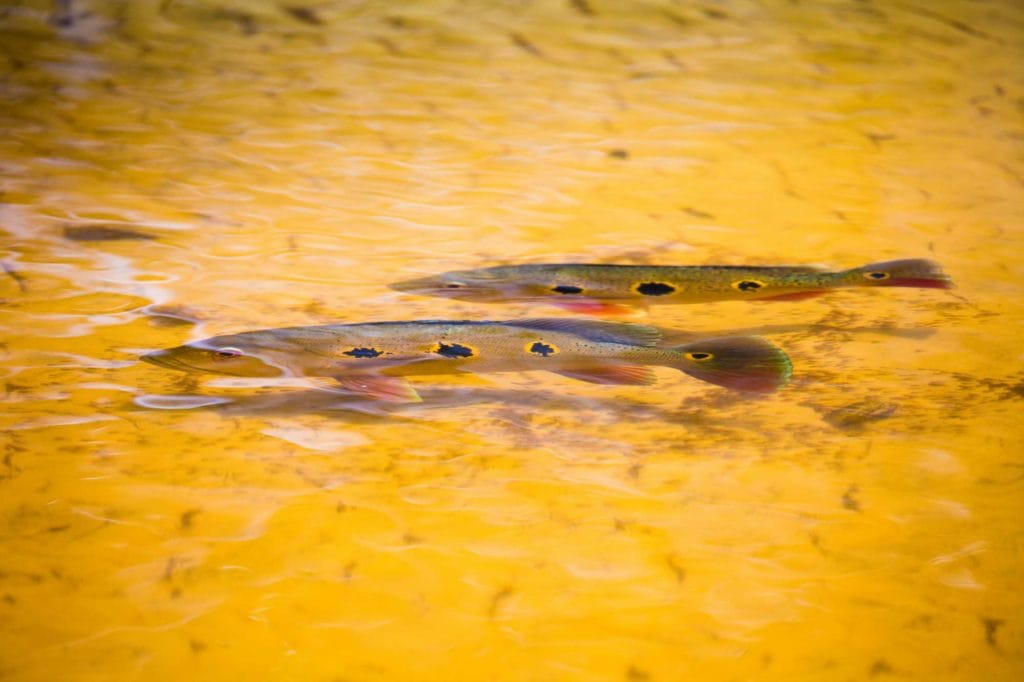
165 359
419 285
168 359
431 286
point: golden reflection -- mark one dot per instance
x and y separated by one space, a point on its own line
176 170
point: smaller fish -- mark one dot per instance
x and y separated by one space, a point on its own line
373 359
618 289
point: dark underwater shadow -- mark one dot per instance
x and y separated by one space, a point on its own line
350 408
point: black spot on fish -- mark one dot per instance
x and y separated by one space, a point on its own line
363 352
567 289
542 349
654 289
453 350
748 285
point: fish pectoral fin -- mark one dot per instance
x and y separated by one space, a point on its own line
626 375
391 389
797 296
600 308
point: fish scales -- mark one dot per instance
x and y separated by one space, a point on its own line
438 347
666 282
368 357
601 287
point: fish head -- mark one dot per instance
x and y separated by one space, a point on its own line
241 355
483 285
908 272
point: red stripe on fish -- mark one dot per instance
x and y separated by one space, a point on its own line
918 282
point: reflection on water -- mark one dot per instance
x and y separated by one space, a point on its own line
175 170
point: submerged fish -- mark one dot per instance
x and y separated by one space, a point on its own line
615 288
371 359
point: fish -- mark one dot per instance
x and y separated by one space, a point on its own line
605 289
375 359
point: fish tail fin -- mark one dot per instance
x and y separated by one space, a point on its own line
742 363
908 272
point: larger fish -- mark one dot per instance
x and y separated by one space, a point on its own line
610 289
372 359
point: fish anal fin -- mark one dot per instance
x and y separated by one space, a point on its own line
597 308
626 375
388 389
605 332
796 296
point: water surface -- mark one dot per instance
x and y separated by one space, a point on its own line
174 170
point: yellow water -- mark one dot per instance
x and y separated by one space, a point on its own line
291 160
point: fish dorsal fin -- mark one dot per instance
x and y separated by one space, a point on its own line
770 269
811 268
605 332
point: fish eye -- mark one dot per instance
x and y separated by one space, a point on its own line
228 352
454 285
877 275
699 356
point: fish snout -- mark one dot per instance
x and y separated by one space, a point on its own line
435 286
160 358
414 285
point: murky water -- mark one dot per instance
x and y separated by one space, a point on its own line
176 169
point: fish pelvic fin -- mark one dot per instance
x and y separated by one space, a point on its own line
740 363
596 308
387 389
625 375
795 296
908 272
